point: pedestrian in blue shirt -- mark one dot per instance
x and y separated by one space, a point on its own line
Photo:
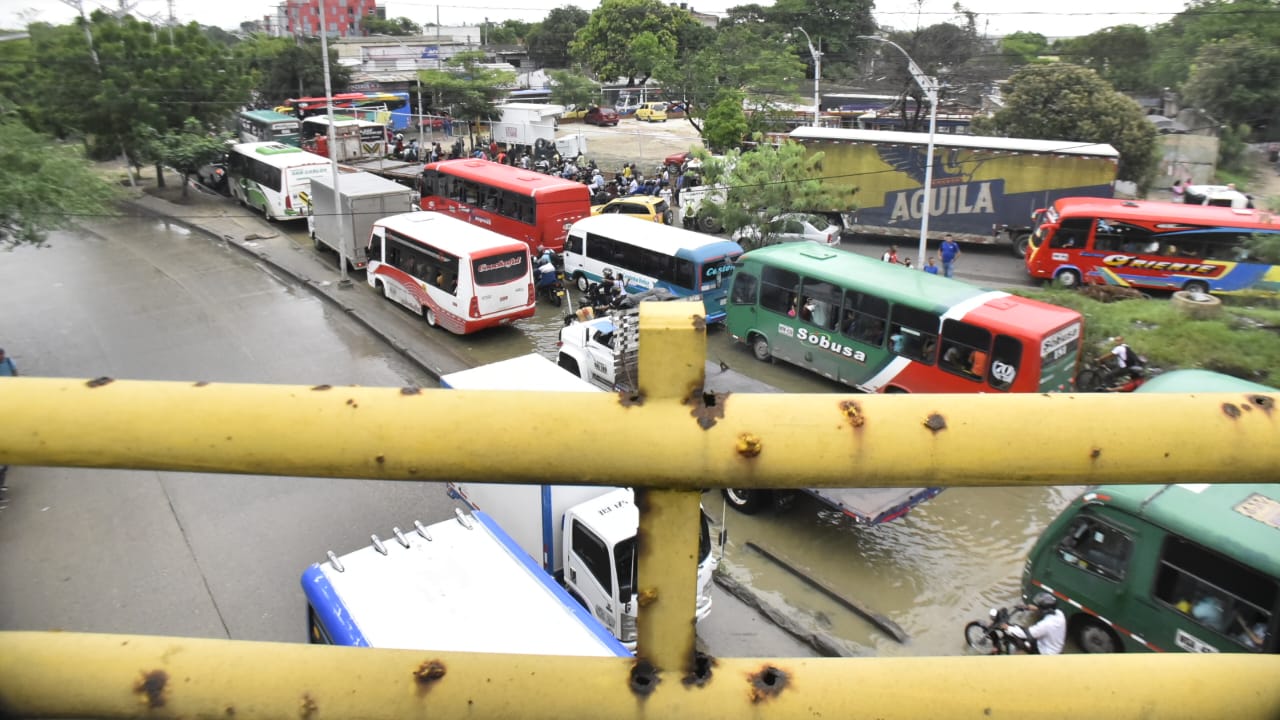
949 252
7 368
932 267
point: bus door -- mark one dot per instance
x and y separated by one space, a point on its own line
1092 562
778 313
818 311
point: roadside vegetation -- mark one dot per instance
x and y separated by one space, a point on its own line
1243 340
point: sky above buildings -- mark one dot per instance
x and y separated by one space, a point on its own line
996 17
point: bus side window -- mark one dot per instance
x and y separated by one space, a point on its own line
777 288
964 346
1096 547
825 299
1216 591
744 290
914 333
1071 233
864 318
1004 362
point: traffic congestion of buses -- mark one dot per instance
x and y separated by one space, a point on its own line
471 243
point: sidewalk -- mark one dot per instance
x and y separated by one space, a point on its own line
217 217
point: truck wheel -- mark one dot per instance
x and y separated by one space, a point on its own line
1092 636
708 224
1021 244
1068 278
583 283
760 348
747 502
568 363
1197 286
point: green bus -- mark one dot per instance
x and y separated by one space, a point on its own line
1167 568
882 327
270 126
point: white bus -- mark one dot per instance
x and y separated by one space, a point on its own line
460 277
270 177
648 255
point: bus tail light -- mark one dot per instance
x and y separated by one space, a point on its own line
532 297
475 306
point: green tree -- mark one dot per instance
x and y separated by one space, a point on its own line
134 77
1121 55
548 41
44 185
834 26
605 44
1178 41
1068 102
1237 81
468 87
508 32
766 182
939 50
401 26
571 88
741 63
1023 48
188 149
282 68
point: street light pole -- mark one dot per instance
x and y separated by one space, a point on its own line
929 86
816 54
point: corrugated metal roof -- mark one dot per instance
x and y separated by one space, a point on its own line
1060 147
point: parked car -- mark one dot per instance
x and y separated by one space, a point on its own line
601 116
794 227
214 177
652 112
644 207
573 112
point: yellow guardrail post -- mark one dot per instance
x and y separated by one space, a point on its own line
672 371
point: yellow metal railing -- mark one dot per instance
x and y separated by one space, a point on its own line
670 440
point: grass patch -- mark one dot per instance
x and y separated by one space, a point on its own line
1244 341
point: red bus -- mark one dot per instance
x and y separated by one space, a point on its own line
1158 245
531 207
458 277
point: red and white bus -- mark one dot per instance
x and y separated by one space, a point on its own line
1158 245
459 277
531 207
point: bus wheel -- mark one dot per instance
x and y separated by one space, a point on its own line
430 315
747 502
1092 636
1021 243
760 348
1068 278
583 283
266 212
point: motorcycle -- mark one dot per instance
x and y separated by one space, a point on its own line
550 285
1119 370
993 637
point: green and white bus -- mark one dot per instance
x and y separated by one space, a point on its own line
272 178
269 126
1192 567
881 327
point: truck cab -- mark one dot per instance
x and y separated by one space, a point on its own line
599 350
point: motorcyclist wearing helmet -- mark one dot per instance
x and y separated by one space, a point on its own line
1049 633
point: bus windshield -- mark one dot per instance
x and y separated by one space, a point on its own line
716 273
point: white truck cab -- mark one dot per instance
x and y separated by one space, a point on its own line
601 350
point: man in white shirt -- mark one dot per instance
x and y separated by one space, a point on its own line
1049 633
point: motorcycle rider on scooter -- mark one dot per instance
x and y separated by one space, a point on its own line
1048 634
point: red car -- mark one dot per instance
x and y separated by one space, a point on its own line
601 116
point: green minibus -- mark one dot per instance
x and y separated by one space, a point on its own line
1193 567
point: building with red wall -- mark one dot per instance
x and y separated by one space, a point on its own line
343 18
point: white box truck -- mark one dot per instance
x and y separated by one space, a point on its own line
459 585
361 200
584 535
531 129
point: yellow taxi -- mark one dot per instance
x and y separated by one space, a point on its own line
641 207
652 112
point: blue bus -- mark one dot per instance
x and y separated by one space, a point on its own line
647 255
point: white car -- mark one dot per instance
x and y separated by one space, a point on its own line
795 227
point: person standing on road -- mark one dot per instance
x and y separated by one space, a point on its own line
932 267
949 252
891 255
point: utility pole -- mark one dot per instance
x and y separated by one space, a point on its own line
343 280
